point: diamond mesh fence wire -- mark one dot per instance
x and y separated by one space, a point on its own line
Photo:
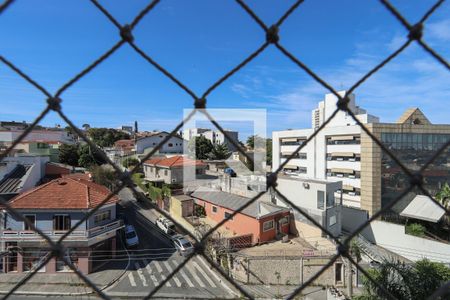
272 39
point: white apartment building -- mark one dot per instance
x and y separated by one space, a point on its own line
334 154
215 136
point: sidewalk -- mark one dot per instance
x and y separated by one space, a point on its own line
61 283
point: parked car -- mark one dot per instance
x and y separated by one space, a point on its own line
166 226
183 246
131 238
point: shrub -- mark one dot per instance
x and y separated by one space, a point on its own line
415 229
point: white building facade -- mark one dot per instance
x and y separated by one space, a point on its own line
215 136
173 146
334 154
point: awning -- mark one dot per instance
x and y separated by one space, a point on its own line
339 170
348 187
342 138
343 154
290 167
286 153
423 208
289 140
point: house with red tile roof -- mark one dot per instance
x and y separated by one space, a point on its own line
55 208
173 169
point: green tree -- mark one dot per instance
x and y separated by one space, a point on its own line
202 147
106 137
415 229
443 196
402 281
88 157
68 154
130 162
220 151
104 175
255 140
269 152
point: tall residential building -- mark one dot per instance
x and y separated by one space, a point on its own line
343 151
215 136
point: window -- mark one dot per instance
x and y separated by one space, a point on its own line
61 222
42 145
214 209
320 199
268 225
330 200
166 172
103 216
228 216
170 145
338 272
31 219
332 220
284 220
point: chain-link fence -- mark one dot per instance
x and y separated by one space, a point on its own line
272 39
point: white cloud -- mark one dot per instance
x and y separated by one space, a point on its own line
439 30
413 79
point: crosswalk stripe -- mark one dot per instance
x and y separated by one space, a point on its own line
194 274
223 282
160 270
140 274
189 282
174 277
150 272
211 283
131 278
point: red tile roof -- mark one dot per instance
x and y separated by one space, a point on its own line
124 143
69 192
174 161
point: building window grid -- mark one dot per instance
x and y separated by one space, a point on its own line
297 156
354 141
61 222
214 209
414 141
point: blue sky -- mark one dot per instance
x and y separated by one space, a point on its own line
199 41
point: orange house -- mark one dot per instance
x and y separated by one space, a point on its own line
263 220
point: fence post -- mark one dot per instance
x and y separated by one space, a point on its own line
248 270
301 270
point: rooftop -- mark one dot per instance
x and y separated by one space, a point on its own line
11 183
256 209
70 192
174 161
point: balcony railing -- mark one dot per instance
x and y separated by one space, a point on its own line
55 234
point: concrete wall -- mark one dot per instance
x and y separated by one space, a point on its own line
352 217
393 237
306 199
284 270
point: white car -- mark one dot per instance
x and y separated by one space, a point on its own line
183 246
131 238
166 225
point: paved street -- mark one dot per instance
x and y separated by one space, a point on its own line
155 258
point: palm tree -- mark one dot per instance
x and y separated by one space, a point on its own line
220 151
443 196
